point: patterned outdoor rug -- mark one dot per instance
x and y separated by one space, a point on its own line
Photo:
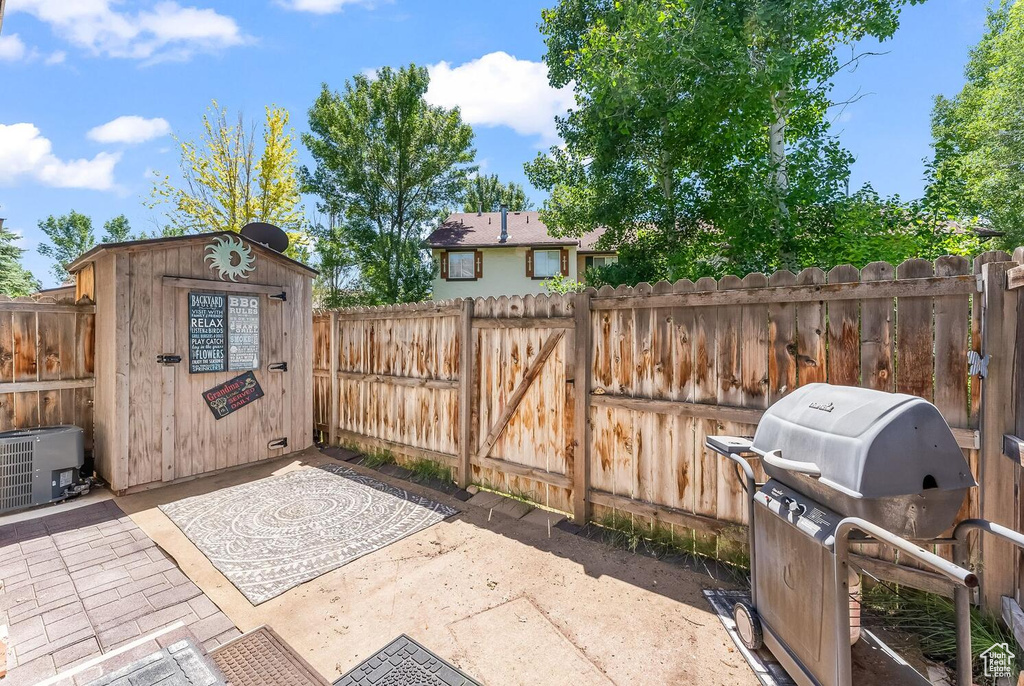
276 533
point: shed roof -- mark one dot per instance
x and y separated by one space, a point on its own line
473 230
157 242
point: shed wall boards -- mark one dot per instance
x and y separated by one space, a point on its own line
175 320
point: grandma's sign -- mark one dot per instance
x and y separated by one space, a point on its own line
229 396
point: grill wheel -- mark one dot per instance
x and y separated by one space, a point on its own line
748 625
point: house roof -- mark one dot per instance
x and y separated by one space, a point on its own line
92 254
473 230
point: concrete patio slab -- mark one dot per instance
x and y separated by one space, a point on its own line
534 650
632 619
516 509
543 518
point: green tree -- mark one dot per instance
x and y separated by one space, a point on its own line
701 134
977 172
70 236
335 262
15 280
388 162
227 182
117 230
488 194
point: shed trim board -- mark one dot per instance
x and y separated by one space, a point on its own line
153 425
151 243
215 285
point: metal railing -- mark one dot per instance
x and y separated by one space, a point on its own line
959 576
961 596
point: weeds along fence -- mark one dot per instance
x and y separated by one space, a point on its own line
597 403
47 354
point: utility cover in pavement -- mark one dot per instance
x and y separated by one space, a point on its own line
271 535
404 662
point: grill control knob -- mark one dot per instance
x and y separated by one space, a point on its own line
794 507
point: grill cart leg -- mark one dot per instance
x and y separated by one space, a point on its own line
961 596
841 553
748 474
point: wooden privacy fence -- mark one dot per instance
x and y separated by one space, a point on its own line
598 403
47 353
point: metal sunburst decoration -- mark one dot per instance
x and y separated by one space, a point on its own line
232 258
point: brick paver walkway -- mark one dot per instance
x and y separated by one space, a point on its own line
85 581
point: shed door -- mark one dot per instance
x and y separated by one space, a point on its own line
201 441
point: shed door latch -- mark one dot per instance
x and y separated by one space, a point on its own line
277 443
165 358
979 364
278 367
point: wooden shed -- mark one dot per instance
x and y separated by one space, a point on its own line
203 356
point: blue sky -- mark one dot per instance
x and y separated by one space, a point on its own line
69 67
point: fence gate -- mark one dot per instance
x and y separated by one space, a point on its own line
523 396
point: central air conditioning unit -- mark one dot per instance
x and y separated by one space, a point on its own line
39 466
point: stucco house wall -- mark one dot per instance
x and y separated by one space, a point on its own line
501 243
504 273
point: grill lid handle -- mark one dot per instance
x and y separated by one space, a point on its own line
775 459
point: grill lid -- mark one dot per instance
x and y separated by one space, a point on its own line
865 443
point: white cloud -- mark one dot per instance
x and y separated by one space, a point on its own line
130 129
26 153
320 6
164 31
500 90
57 57
12 48
21 240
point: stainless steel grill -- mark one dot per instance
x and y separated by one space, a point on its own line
840 459
885 457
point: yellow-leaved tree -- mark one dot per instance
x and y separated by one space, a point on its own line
226 182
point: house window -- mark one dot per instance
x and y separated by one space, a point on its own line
598 261
460 266
546 263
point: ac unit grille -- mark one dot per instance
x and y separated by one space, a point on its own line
15 474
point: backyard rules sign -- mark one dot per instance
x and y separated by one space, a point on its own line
227 397
206 332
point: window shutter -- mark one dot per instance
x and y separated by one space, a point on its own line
444 265
529 263
565 261
478 264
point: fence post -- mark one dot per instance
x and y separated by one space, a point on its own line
335 402
581 410
465 470
996 471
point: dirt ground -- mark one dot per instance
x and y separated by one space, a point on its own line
497 597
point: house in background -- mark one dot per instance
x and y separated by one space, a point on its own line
506 253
